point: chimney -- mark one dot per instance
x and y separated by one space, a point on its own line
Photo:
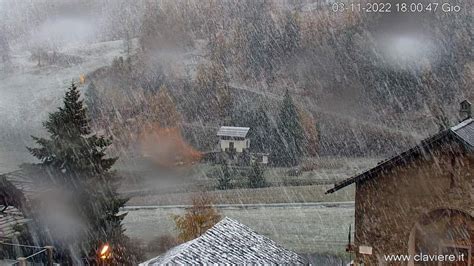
465 111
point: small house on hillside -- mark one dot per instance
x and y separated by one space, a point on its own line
228 243
419 202
234 144
233 139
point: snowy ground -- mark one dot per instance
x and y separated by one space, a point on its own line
28 93
312 228
151 185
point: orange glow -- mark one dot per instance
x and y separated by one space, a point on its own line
167 147
82 79
105 252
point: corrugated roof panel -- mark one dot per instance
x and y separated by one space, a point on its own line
240 132
465 130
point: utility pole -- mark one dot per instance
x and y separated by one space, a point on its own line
49 253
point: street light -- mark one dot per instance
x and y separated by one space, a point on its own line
105 252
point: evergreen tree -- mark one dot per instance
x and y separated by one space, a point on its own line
291 34
77 160
224 179
262 132
256 176
291 134
93 101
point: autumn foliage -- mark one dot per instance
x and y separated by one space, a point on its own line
311 134
166 146
197 219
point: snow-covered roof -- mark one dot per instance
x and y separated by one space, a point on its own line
465 131
228 242
28 182
240 132
462 133
9 218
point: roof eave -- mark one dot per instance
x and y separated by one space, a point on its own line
401 158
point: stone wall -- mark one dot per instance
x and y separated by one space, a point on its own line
389 205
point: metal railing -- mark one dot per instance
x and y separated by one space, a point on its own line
43 254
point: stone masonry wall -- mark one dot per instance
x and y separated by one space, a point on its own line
389 205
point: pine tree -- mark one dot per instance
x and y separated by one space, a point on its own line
93 101
291 134
291 34
224 179
262 132
77 160
71 147
256 176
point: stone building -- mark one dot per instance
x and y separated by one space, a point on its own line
418 204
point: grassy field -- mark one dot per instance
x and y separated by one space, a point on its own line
164 187
291 194
304 229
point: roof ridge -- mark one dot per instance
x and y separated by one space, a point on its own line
462 124
462 132
230 230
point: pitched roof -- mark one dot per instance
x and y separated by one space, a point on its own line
465 131
22 182
462 133
29 181
228 242
240 132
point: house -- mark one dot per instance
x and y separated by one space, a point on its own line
235 143
233 139
228 243
420 203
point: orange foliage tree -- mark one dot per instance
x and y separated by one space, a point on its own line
166 146
310 132
162 109
197 219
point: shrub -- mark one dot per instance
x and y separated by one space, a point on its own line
197 219
256 176
294 172
225 177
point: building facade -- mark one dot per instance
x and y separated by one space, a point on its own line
233 139
418 204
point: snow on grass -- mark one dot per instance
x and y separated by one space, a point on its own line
303 229
29 92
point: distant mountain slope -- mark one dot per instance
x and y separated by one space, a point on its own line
29 92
